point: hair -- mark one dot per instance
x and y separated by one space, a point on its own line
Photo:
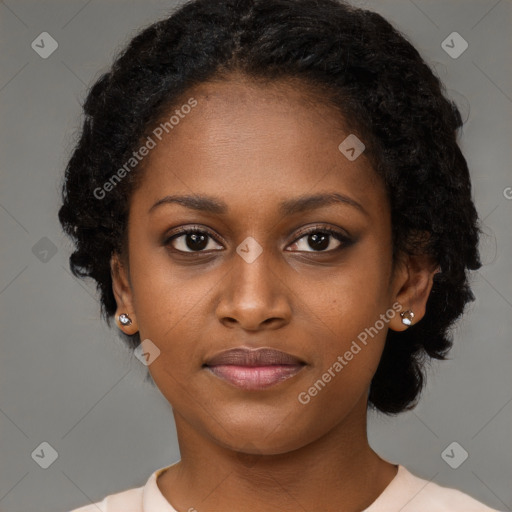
353 60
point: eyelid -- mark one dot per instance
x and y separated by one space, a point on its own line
185 230
325 228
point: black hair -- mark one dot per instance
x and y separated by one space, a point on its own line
355 60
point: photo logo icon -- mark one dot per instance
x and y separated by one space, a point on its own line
44 45
454 455
454 45
352 147
44 250
45 455
146 352
249 249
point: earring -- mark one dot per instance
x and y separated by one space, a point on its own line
125 320
407 317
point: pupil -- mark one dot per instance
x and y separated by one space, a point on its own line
319 242
198 241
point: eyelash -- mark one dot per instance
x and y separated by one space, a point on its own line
344 240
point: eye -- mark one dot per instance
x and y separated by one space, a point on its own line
321 239
190 240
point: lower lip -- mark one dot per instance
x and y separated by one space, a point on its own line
255 377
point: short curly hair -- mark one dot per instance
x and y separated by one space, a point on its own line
358 63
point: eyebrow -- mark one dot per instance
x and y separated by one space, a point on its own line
285 208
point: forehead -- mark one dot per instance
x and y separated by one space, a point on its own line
253 142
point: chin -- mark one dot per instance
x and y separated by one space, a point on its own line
261 436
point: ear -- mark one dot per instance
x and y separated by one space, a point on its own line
123 294
413 282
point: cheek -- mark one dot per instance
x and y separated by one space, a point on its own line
349 297
174 310
349 346
350 322
162 293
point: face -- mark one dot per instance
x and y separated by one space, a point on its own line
263 269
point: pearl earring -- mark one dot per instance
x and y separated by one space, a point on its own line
407 317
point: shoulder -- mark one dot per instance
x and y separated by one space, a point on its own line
125 501
138 499
420 495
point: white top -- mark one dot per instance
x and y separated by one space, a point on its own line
405 493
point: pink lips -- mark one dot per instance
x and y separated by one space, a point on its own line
254 369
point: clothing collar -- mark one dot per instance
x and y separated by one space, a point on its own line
154 501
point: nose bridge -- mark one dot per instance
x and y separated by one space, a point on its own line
252 278
253 292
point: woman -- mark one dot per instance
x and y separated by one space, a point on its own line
271 198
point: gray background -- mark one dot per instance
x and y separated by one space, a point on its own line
65 379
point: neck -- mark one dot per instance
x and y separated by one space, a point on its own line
337 470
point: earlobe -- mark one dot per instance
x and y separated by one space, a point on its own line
403 320
125 315
417 281
407 317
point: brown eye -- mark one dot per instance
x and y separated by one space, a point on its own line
321 240
191 240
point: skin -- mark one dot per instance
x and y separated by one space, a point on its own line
253 146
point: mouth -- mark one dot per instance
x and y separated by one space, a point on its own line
254 369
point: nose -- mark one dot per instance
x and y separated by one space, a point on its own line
254 295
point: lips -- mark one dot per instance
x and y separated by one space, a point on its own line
253 357
254 369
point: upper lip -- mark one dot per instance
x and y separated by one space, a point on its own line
244 356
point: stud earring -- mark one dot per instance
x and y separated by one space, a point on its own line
125 320
407 317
